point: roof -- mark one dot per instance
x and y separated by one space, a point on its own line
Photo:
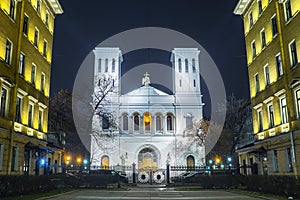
146 91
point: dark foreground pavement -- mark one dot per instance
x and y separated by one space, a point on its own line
145 193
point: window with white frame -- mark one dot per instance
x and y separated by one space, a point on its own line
113 65
47 19
15 158
45 47
194 65
297 97
250 17
253 47
8 52
274 26
267 75
271 115
260 8
279 65
1 155
33 74
36 37
4 101
256 80
179 65
38 6
260 120
284 111
12 9
125 122
170 123
99 65
22 64
25 25
289 164
136 122
275 161
106 65
158 123
30 114
186 62
41 119
188 122
293 53
19 108
263 38
288 10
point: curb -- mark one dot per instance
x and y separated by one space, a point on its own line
251 195
57 195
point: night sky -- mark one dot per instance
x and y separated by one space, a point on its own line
85 24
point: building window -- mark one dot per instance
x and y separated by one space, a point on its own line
288 10
45 49
179 65
99 65
40 122
30 115
1 155
259 4
105 162
293 54
125 122
297 94
43 82
113 68
19 106
263 38
271 116
47 19
194 83
275 161
12 9
194 65
33 73
284 112
4 102
36 37
147 121
274 26
170 123
105 123
189 122
106 65
8 52
267 75
180 83
158 123
253 49
38 6
257 83
250 17
289 164
279 65
22 64
186 65
136 123
25 25
14 162
260 121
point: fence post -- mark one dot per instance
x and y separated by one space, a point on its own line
133 173
168 174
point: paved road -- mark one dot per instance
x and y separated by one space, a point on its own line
145 193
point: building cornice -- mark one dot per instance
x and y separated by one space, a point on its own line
241 7
56 7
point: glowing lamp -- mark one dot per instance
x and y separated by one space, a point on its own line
78 160
147 119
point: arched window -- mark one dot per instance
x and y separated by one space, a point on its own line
105 162
125 122
113 68
158 123
170 125
194 65
179 65
136 123
186 65
147 121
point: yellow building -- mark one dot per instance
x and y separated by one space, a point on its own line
272 36
26 34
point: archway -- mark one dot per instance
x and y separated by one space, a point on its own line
190 161
105 162
147 159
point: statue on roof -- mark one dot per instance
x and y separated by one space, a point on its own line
146 79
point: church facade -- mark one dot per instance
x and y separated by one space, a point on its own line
154 128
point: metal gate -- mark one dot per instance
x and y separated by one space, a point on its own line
151 176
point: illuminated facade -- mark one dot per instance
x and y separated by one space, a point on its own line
26 34
272 36
155 128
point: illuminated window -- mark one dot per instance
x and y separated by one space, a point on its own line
33 73
125 122
30 114
36 37
260 120
274 26
267 75
250 18
253 49
12 9
275 161
1 155
289 164
45 48
19 106
263 38
105 162
179 65
288 10
279 65
40 122
136 123
147 122
194 65
293 54
106 65
113 68
99 65
8 52
4 101
284 112
170 125
22 64
15 156
271 116
297 95
158 120
25 25
43 82
256 78
259 4
186 65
